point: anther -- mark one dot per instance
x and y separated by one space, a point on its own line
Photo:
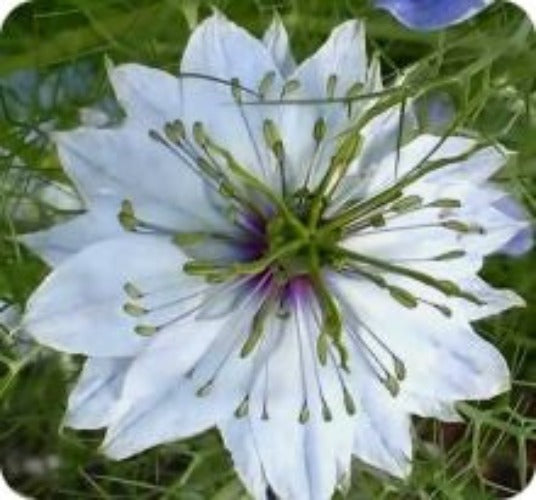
319 130
243 408
273 139
454 254
145 330
349 403
407 204
322 347
126 216
444 310
446 203
132 291
392 385
134 310
205 389
175 131
289 87
331 86
236 90
403 297
304 413
266 83
326 412
400 368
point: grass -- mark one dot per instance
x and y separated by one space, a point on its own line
52 64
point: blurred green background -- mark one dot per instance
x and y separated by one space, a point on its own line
52 66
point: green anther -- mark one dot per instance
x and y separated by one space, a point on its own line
199 267
322 348
236 90
343 354
326 412
243 408
444 310
403 297
134 310
319 130
449 288
407 204
331 86
457 226
273 139
347 150
454 254
355 90
257 328
400 368
175 131
132 291
145 330
126 216
289 87
205 389
392 385
349 402
200 137
304 414
446 203
189 238
377 220
266 83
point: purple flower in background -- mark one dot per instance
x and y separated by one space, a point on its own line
437 14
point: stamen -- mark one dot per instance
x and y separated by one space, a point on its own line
266 84
289 87
331 85
243 408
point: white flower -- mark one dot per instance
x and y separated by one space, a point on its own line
246 263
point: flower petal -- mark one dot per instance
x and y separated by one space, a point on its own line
317 450
125 163
61 241
79 307
276 40
432 14
149 96
443 356
161 401
219 57
343 56
96 392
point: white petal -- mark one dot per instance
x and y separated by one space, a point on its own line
160 403
382 425
238 437
218 49
124 163
148 95
343 55
276 41
79 307
299 460
60 241
96 392
444 358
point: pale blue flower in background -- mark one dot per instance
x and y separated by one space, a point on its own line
438 14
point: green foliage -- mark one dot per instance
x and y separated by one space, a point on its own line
52 64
